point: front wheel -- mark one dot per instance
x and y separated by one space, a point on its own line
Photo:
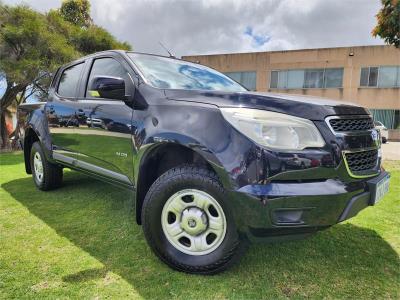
187 221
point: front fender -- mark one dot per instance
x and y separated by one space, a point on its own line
202 128
170 139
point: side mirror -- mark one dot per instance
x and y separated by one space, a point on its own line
107 87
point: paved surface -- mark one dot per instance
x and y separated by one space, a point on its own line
391 150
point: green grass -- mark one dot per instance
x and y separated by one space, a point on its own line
81 241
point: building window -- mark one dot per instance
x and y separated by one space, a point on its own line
388 117
307 78
274 79
295 78
380 77
247 79
314 79
333 78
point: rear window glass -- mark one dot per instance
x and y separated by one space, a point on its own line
69 81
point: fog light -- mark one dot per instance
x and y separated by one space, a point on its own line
288 216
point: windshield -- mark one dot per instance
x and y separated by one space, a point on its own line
168 73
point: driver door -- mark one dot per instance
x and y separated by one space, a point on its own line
104 136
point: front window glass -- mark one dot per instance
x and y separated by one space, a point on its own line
105 67
167 73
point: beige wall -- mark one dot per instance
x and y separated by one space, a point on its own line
264 62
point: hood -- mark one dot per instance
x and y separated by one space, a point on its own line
309 107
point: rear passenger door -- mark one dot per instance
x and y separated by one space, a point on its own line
60 112
104 136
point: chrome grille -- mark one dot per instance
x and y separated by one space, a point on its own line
361 161
351 124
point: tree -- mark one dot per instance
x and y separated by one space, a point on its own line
388 26
95 39
77 12
32 43
27 48
86 40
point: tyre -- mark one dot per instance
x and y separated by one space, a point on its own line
46 175
187 222
384 140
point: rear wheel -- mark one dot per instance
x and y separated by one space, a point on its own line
187 221
46 175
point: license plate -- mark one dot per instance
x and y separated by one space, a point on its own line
382 187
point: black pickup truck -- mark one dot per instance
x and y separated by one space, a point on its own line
211 164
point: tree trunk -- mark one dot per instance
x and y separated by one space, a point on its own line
5 142
15 142
8 98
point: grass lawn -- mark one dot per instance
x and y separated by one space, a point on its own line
81 241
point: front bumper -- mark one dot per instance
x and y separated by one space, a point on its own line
284 210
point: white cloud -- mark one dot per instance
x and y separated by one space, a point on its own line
217 26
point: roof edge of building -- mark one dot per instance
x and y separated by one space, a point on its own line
294 50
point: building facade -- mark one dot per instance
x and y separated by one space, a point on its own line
366 75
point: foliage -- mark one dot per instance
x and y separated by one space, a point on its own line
388 26
96 39
81 242
85 40
76 12
32 43
27 46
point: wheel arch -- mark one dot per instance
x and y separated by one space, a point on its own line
160 157
30 137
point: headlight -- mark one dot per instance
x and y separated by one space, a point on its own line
274 130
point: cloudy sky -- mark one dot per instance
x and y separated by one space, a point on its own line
224 26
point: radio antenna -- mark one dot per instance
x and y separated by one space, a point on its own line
165 48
